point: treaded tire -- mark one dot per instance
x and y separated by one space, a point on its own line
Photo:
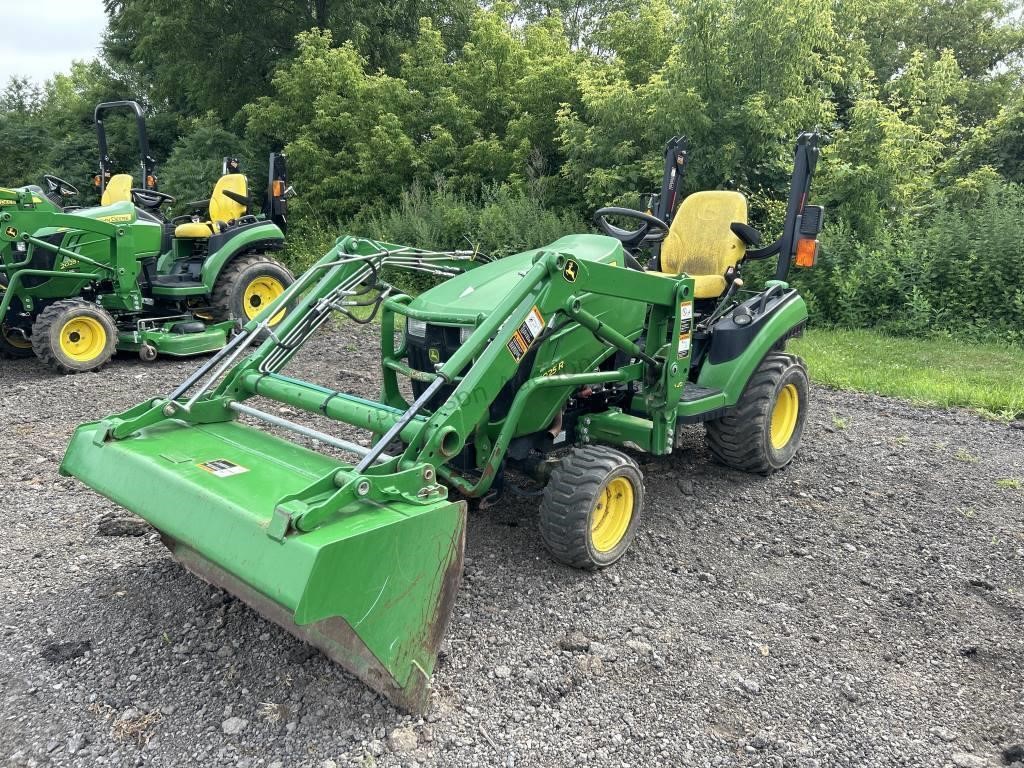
742 439
11 351
570 500
227 302
51 322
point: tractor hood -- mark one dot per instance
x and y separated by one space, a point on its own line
10 195
145 234
479 290
115 213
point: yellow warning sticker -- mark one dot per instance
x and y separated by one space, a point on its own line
526 334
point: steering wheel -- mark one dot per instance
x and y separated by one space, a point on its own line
651 230
59 186
150 198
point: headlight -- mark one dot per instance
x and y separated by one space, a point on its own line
465 332
416 328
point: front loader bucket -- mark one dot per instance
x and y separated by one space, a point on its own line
373 588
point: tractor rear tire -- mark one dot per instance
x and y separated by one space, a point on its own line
591 507
761 434
74 336
246 285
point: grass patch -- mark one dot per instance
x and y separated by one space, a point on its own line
987 377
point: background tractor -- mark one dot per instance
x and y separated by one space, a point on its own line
78 283
560 362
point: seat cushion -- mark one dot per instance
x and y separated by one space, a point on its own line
700 240
193 229
222 207
118 189
708 286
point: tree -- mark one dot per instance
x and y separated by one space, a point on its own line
198 56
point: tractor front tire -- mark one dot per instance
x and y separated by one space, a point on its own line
761 434
246 285
12 345
591 507
74 336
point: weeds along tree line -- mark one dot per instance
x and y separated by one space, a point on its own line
432 122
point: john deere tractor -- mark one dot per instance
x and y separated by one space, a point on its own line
76 284
561 362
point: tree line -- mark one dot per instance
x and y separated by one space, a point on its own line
433 122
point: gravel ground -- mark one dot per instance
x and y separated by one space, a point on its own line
863 608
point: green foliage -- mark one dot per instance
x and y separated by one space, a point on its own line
744 79
359 138
509 122
195 163
984 376
505 221
955 272
199 56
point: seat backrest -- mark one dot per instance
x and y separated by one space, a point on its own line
118 189
700 242
222 207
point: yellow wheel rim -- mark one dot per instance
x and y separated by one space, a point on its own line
83 339
259 293
18 342
612 513
784 415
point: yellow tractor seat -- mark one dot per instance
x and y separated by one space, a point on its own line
118 189
195 229
701 243
223 208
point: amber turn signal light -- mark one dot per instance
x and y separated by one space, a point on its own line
806 252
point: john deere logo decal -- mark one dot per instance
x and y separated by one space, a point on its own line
11 232
434 354
570 271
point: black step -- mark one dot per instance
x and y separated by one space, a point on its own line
176 281
694 392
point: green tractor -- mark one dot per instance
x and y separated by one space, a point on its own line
76 284
53 198
559 363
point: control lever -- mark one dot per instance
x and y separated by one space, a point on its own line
734 286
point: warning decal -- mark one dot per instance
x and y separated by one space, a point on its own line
685 317
684 344
222 468
517 346
526 334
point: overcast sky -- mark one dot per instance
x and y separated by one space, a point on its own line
42 37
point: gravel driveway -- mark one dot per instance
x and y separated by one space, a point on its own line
863 608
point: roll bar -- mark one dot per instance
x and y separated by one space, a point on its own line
676 154
805 158
147 163
276 205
